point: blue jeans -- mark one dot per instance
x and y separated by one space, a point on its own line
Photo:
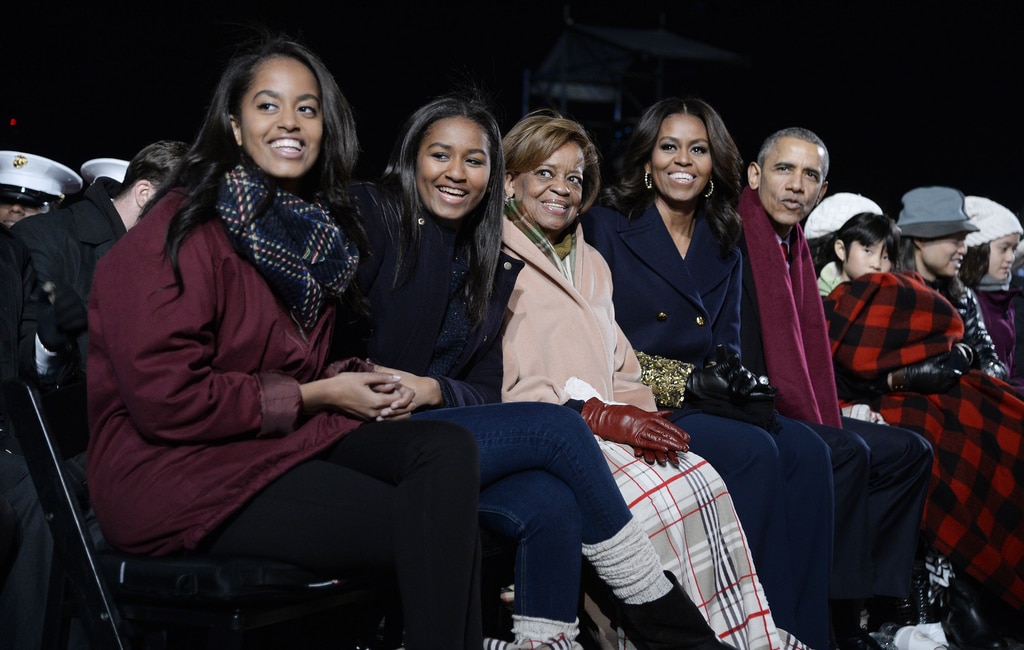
545 484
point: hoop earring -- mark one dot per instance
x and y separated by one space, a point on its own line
711 188
648 181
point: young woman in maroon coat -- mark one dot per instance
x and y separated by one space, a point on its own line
219 424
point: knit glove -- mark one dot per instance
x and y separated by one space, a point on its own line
652 437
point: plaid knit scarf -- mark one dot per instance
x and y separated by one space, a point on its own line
297 247
562 254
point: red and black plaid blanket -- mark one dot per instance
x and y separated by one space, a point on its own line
975 509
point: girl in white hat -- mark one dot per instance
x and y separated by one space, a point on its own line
987 270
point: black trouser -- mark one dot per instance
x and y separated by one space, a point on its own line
881 477
400 497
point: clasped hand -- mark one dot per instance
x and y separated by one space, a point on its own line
727 380
652 437
363 395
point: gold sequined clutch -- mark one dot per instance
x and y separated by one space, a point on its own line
666 377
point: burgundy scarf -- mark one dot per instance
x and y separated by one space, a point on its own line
793 330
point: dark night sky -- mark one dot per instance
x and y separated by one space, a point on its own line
904 93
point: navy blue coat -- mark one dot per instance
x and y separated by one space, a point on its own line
666 305
405 321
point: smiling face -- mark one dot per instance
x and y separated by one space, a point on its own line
452 168
791 182
280 125
1001 253
859 259
940 258
680 164
551 193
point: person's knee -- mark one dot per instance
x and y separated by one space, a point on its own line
531 504
455 444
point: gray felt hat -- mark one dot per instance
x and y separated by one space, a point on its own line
932 212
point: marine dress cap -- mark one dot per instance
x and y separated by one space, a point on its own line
834 211
35 179
933 212
109 167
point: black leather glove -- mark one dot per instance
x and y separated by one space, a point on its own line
60 318
937 374
727 380
728 389
652 437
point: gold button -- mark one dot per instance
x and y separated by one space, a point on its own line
700 321
662 316
508 266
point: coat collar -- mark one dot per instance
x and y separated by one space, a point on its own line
649 240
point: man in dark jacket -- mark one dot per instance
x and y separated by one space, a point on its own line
881 473
49 261
66 244
23 594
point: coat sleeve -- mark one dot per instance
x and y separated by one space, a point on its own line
976 335
155 345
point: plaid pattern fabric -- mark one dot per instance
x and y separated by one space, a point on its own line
514 212
300 250
690 518
908 322
975 508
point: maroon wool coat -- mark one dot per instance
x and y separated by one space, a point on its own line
193 395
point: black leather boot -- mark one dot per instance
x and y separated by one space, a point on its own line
968 625
672 622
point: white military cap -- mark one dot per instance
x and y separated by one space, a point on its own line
109 167
34 179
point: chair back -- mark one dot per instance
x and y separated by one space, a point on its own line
123 597
74 553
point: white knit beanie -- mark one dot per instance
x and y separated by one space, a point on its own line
835 210
993 220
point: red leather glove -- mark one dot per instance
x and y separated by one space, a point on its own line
652 437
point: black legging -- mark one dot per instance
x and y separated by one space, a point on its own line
394 496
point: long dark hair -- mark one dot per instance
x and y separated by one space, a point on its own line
866 228
215 150
975 264
480 232
630 196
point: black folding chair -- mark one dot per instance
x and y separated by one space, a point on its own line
124 599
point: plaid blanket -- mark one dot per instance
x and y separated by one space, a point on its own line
975 508
689 515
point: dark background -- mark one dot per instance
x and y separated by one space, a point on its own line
904 93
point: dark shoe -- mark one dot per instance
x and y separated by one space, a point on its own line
968 625
860 641
672 622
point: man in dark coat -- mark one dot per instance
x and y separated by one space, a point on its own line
45 326
36 182
66 244
881 473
